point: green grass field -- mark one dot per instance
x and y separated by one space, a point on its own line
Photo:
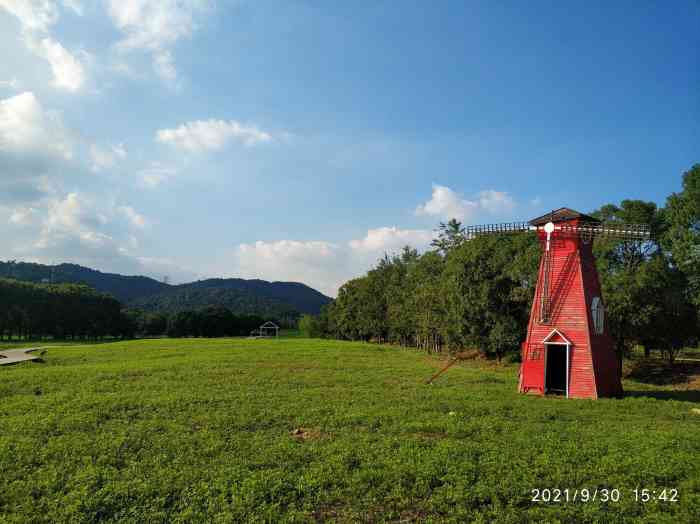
311 430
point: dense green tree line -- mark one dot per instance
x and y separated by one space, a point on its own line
75 311
35 311
213 321
477 293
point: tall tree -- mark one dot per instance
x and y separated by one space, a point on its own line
425 303
620 266
450 236
682 240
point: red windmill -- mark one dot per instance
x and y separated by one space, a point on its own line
568 349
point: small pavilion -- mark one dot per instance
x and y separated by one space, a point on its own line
268 329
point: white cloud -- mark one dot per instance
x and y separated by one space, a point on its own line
164 65
206 135
86 217
321 264
36 150
75 5
390 239
23 216
106 158
122 68
72 213
82 228
134 218
68 72
446 204
36 18
71 217
77 227
155 26
155 174
316 263
25 127
34 15
159 268
12 83
495 202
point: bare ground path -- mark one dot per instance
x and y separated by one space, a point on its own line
13 356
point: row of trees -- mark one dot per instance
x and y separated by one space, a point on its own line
477 293
214 321
461 294
62 311
74 311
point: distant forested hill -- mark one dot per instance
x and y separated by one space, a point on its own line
244 297
123 288
300 296
187 298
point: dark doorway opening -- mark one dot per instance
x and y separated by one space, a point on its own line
556 369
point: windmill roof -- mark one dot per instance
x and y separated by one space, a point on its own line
562 214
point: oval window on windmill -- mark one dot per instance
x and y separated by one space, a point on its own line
598 315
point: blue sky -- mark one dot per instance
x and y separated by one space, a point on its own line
301 140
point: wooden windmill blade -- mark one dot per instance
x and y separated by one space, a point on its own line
609 230
498 229
620 231
584 230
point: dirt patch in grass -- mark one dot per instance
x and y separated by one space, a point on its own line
685 375
441 360
412 516
304 434
431 435
328 512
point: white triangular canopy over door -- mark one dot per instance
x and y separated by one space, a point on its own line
556 337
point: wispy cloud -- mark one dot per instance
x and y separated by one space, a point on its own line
106 157
156 26
446 203
135 218
36 19
12 83
27 129
77 226
209 135
155 174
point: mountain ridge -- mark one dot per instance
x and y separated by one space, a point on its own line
241 295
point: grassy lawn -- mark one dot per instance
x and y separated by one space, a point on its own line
309 430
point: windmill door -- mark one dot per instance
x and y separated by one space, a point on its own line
532 379
556 369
